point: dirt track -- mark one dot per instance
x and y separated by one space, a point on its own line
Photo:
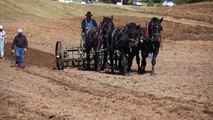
182 87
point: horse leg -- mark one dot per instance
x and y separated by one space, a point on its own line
154 61
143 63
111 61
124 66
96 61
116 60
138 60
88 58
104 60
130 59
120 62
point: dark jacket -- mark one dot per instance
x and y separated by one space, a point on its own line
83 24
20 41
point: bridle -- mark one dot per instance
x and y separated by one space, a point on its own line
153 31
106 26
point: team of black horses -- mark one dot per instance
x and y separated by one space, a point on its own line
127 40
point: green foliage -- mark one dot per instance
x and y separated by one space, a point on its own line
150 3
156 1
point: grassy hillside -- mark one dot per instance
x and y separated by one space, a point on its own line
30 10
50 9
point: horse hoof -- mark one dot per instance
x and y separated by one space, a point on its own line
127 74
88 68
129 70
142 72
152 73
113 72
98 70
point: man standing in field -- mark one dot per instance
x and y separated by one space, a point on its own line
20 44
87 23
2 41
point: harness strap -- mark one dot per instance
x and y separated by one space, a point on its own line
147 30
159 38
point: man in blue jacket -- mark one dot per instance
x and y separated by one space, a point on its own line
87 23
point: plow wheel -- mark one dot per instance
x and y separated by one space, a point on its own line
59 55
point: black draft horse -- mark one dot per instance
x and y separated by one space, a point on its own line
148 43
96 39
151 45
107 26
135 49
118 42
122 40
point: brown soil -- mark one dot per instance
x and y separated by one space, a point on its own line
198 11
182 87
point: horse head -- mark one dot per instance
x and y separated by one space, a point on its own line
154 29
133 33
107 25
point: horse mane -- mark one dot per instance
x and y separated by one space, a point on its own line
154 19
131 25
107 18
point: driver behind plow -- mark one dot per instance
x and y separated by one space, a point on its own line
87 23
